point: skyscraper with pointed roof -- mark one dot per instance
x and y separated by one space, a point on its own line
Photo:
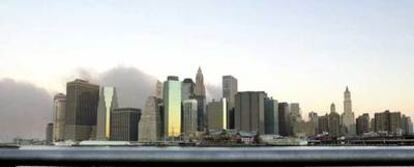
348 121
200 96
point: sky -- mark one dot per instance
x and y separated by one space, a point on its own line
304 51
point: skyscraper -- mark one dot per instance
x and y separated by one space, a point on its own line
294 119
249 111
124 124
407 125
283 118
172 107
49 133
151 125
189 117
217 114
334 120
362 124
187 89
323 124
348 119
271 116
81 110
59 106
229 92
313 118
108 100
388 122
200 96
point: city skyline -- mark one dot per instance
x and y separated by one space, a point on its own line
301 51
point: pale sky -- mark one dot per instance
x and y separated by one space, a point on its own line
304 51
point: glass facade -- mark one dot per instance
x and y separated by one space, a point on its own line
172 107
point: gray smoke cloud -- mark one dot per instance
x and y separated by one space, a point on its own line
213 92
133 86
25 110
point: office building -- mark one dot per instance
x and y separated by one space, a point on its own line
172 107
124 124
406 125
313 119
217 114
187 89
150 124
283 119
81 110
334 120
294 119
59 107
362 124
200 96
230 89
190 117
323 124
108 100
271 116
348 119
49 133
249 111
388 123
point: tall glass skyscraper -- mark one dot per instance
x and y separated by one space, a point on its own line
107 102
172 107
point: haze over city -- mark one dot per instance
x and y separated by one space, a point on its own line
296 51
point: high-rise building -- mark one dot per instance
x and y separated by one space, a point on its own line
159 90
249 111
187 89
334 123
172 107
407 125
59 106
49 133
271 116
388 122
313 119
283 119
189 117
108 100
362 124
348 118
150 124
217 114
323 124
294 119
229 92
200 96
124 124
81 110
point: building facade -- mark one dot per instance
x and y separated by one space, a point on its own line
217 114
189 117
108 100
81 110
187 89
334 124
249 111
230 89
388 123
150 124
200 96
362 124
295 120
172 107
348 118
283 119
49 133
271 116
59 107
124 124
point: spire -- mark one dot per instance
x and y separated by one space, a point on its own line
347 90
200 89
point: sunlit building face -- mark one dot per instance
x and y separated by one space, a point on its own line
172 102
107 102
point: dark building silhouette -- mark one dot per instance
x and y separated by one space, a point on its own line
49 133
323 124
362 124
388 122
283 119
124 124
81 110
